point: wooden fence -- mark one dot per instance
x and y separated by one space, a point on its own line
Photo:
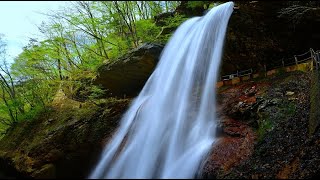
310 55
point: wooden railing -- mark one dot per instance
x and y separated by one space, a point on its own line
316 57
237 74
296 59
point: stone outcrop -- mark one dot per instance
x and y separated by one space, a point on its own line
128 74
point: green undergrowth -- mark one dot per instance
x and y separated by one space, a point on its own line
272 116
57 118
265 126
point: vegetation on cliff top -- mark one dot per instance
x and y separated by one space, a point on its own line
77 41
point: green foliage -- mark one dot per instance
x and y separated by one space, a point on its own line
171 26
264 126
32 113
175 21
26 88
147 31
96 92
123 46
195 4
211 5
76 42
284 111
91 92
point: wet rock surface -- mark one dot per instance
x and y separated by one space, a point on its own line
278 145
230 149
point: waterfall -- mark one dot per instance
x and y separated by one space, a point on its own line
169 128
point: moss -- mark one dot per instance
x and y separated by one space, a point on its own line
32 113
268 119
290 109
314 103
281 71
3 128
264 126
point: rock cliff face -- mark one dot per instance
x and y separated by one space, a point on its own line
63 142
266 130
128 74
257 35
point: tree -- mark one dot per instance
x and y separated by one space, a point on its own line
8 93
76 41
297 10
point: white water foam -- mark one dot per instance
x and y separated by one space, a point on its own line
170 127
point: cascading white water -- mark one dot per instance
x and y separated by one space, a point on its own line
170 127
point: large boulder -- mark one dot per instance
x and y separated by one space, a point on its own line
128 74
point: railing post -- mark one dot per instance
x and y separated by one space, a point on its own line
282 63
316 59
295 58
265 70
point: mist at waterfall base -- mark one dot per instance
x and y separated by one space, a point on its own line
169 128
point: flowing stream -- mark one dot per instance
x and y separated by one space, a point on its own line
170 127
